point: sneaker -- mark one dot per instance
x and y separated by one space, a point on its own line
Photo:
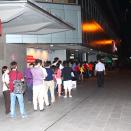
48 105
42 110
70 96
24 116
11 116
65 96
52 101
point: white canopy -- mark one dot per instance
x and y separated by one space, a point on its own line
27 17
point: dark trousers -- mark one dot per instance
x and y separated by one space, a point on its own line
100 78
7 101
29 92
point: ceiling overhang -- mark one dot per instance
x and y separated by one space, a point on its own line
27 17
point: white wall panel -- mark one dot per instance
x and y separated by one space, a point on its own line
44 38
92 58
61 54
69 34
59 35
56 6
14 39
59 13
58 40
69 13
72 40
29 38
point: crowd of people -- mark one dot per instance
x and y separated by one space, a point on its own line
44 81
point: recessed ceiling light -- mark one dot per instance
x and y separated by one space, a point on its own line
51 45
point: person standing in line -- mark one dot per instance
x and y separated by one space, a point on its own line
29 81
57 75
67 78
38 91
61 66
57 61
49 82
90 69
13 75
81 72
45 95
5 85
77 71
100 72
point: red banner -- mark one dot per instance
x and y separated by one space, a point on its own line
30 59
0 27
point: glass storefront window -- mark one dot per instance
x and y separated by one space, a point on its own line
60 1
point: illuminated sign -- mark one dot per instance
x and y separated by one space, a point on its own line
91 27
102 42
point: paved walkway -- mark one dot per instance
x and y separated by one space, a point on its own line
90 109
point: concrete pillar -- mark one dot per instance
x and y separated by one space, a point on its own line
2 42
84 57
92 57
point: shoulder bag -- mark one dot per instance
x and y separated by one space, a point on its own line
19 87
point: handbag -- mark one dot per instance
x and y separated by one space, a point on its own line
74 84
19 87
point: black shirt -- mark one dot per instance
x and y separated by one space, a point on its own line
66 73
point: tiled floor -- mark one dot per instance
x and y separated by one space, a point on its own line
90 109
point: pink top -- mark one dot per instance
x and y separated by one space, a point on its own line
58 73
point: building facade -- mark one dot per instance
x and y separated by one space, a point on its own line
41 29
96 14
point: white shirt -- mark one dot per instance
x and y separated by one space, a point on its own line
61 66
5 78
100 67
44 72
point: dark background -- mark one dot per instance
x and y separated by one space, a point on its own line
118 14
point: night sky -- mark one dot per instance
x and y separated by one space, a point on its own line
118 15
126 29
122 10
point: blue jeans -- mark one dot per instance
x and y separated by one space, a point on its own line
13 102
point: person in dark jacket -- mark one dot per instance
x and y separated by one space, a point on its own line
29 81
67 78
49 82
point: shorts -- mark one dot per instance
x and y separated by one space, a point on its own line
67 84
58 81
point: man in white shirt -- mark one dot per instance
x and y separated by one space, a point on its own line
100 72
